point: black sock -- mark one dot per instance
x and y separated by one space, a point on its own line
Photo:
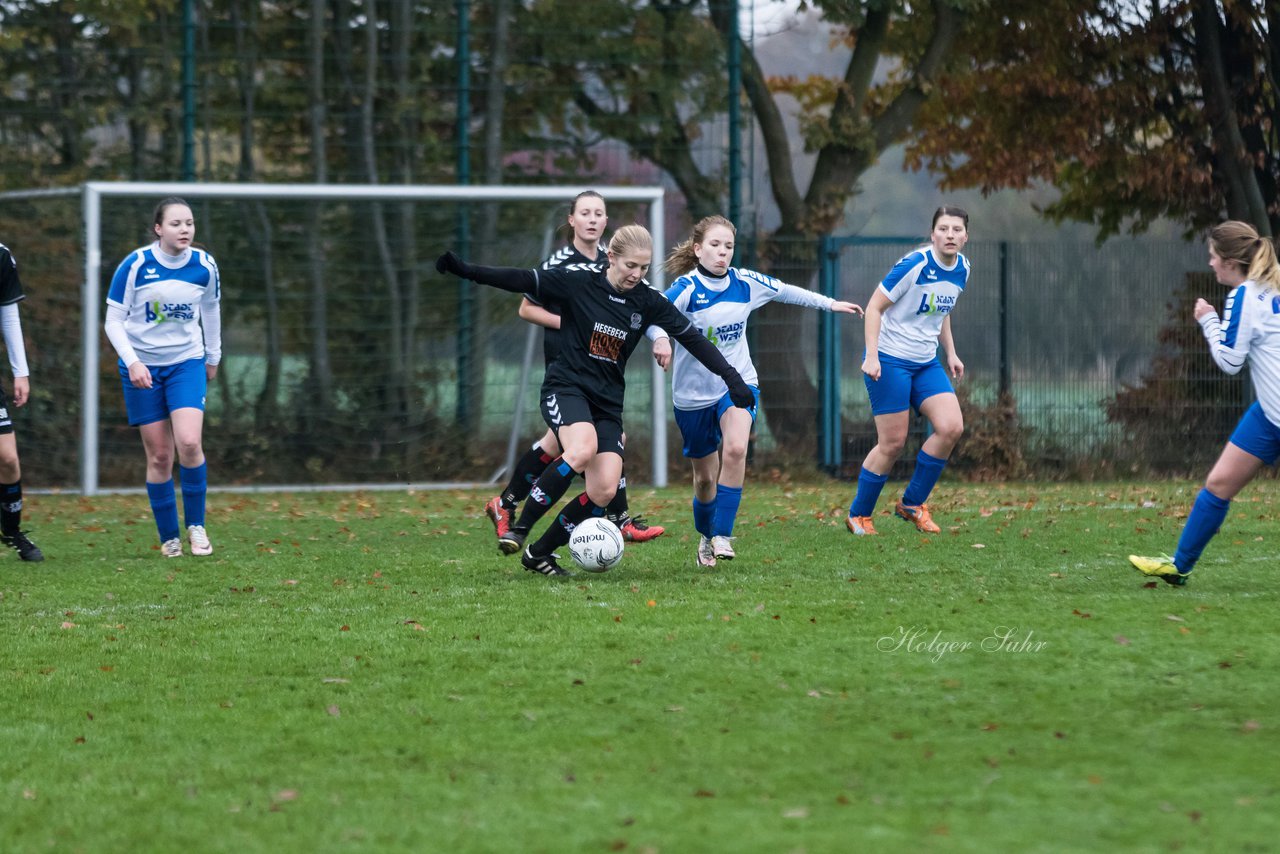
616 512
549 489
557 533
523 476
10 507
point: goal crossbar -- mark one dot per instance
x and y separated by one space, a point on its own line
94 192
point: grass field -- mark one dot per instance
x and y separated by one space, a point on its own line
365 673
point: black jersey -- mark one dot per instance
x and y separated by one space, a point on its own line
10 284
566 257
600 327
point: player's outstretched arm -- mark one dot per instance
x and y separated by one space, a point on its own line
514 279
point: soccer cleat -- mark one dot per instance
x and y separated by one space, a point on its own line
548 566
171 548
1161 567
722 548
918 516
199 540
636 530
706 558
512 541
19 542
499 515
860 526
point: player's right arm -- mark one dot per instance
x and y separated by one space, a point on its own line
548 284
120 299
1229 338
876 307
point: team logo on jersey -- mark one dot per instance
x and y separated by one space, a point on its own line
932 303
635 321
700 298
727 334
158 312
612 298
931 273
150 273
607 341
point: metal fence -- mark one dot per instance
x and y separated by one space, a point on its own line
1061 328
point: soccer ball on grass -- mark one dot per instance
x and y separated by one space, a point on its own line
596 544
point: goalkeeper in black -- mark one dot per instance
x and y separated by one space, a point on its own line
603 317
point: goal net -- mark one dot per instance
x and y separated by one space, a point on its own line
348 361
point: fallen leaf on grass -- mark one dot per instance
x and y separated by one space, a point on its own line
334 711
1122 640
704 793
1084 615
68 625
1250 726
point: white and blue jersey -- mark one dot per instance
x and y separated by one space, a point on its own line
719 307
923 292
164 298
1250 331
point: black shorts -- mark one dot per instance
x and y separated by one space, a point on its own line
6 423
563 406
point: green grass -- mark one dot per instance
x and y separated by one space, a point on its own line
365 673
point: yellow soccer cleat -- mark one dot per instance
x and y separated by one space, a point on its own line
1161 567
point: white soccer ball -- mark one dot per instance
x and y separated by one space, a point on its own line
596 544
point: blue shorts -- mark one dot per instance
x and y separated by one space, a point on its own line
700 428
180 386
1255 434
905 385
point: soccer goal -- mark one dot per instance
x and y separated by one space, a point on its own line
348 361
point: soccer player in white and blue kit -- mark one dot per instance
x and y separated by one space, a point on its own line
908 316
163 320
718 299
1249 331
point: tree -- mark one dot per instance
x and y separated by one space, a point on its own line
652 76
1133 111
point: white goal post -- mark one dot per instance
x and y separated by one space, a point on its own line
95 191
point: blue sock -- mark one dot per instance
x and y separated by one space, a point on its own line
869 486
703 514
164 506
1207 516
727 500
195 484
928 469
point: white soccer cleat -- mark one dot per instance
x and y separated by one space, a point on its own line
705 559
722 548
200 544
171 548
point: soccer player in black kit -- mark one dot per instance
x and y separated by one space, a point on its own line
603 315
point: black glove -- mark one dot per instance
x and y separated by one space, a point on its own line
740 394
449 262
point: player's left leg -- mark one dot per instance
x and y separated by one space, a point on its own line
11 533
943 412
1255 443
185 390
735 429
157 442
602 474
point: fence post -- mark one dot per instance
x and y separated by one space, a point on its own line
1006 380
829 438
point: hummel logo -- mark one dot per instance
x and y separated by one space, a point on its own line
612 298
